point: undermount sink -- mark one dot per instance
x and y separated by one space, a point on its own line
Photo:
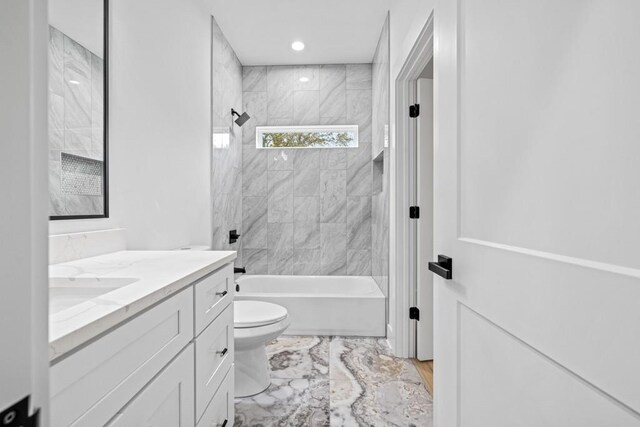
65 292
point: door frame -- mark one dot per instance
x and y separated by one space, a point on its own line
404 250
423 235
24 293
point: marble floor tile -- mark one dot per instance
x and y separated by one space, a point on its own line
368 360
391 403
369 386
337 381
299 357
286 403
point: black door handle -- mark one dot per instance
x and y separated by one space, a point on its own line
443 268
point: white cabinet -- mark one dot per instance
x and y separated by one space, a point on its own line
214 357
163 367
167 401
91 385
212 294
220 411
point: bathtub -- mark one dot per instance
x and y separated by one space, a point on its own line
321 305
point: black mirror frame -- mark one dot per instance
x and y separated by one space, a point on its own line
105 129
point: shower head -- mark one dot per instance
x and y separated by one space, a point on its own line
242 118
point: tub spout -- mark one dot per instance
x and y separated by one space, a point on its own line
239 270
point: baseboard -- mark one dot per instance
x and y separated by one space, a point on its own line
390 335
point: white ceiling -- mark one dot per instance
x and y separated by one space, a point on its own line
334 31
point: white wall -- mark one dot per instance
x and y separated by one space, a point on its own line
160 86
82 20
24 367
407 18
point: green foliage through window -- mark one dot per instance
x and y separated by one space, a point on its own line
307 137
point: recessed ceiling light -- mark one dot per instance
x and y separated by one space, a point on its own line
304 79
74 82
297 46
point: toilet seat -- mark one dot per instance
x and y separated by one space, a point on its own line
253 314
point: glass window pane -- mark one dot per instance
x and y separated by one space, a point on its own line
307 136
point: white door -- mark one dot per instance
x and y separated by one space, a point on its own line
24 296
424 245
537 198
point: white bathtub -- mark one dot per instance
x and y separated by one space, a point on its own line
322 305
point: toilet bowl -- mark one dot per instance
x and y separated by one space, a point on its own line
256 323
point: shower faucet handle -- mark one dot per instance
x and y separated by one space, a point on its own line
233 236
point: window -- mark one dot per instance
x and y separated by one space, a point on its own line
307 136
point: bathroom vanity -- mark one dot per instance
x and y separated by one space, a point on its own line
142 337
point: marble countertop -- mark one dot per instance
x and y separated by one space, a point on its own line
149 276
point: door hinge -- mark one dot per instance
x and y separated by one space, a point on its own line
414 313
414 212
18 415
414 110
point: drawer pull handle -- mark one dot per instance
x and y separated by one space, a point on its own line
218 294
223 352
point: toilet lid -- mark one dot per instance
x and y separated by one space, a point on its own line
250 314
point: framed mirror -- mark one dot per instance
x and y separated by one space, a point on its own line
78 109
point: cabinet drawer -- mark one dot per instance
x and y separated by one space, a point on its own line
212 295
221 409
212 361
90 386
165 401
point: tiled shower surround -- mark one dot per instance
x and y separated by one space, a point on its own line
380 201
307 211
226 162
76 77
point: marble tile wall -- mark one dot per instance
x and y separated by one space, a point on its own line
307 211
226 162
380 198
76 78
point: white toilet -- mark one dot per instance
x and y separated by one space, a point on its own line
256 323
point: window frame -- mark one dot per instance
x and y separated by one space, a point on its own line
260 130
